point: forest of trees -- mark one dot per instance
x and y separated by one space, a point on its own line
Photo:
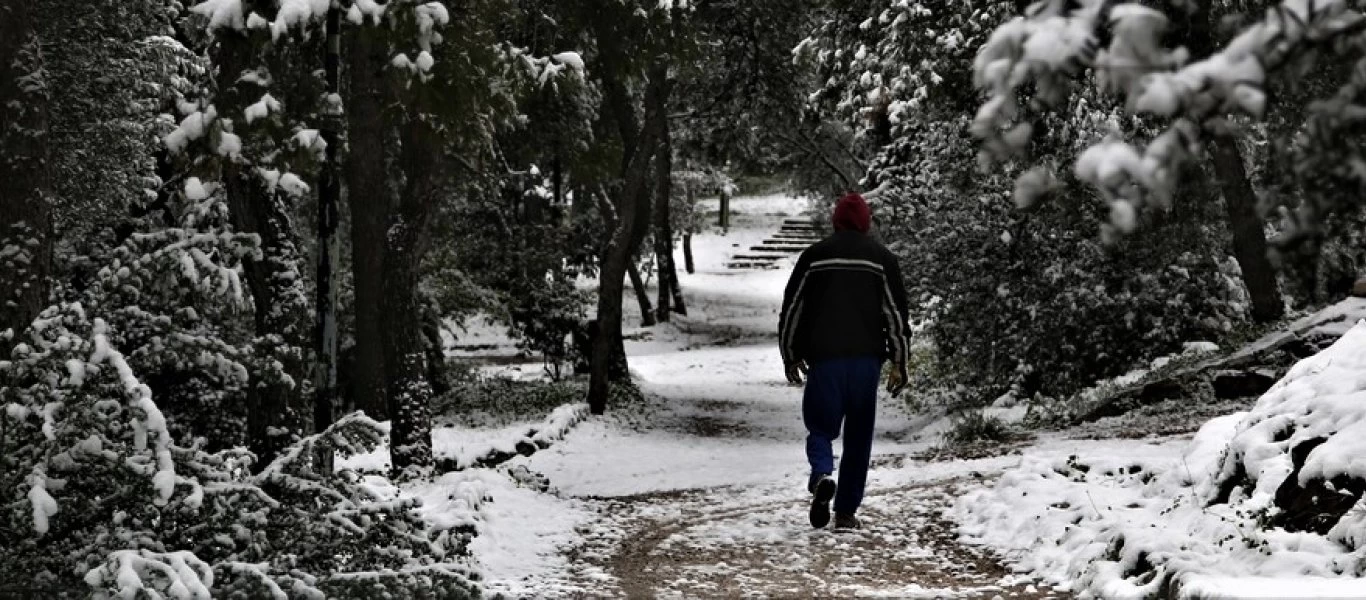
231 230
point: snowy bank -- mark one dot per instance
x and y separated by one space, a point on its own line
459 448
1265 503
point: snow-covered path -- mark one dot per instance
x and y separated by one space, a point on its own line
701 491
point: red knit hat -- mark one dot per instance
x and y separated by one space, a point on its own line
852 214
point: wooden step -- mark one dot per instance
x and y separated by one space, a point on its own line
774 242
783 249
796 236
798 221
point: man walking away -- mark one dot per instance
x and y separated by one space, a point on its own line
844 312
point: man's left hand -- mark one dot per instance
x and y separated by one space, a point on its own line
795 370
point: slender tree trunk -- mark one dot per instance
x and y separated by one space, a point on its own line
687 233
617 369
687 253
410 392
329 244
724 219
647 313
664 306
618 254
670 292
276 409
369 198
1240 200
1249 235
25 213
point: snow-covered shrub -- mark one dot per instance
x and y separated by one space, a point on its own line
523 276
1017 297
975 426
1173 63
887 62
478 399
1032 302
1268 500
100 494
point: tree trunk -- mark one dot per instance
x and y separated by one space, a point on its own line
1240 200
369 198
647 314
724 219
687 233
687 253
1249 234
617 369
670 293
409 391
329 246
25 213
276 410
617 256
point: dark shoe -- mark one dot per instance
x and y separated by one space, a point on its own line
847 521
821 495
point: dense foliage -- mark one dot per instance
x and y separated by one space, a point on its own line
1017 299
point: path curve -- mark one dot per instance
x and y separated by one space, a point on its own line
907 549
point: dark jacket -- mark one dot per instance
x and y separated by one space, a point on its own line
845 299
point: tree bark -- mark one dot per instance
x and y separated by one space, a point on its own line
617 256
1240 200
670 293
724 219
25 212
409 392
647 313
276 410
687 252
617 369
369 198
329 246
1249 235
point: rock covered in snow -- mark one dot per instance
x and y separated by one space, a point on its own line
1264 503
1300 454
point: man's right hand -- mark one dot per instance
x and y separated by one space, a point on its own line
896 381
795 370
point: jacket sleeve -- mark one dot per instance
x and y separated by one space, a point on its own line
792 310
898 312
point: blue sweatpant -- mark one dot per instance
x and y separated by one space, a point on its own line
841 391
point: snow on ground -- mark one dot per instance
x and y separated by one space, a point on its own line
464 446
701 492
1191 519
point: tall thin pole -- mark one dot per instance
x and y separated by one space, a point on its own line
329 197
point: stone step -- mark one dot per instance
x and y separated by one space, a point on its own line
784 242
797 236
783 249
798 221
798 227
767 266
768 257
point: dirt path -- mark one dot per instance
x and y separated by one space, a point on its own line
721 440
754 541
907 549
